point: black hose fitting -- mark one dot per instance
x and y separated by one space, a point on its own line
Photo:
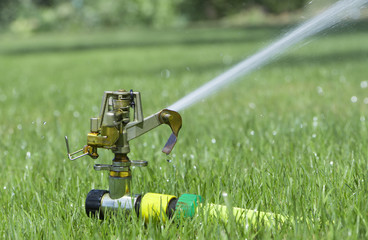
93 203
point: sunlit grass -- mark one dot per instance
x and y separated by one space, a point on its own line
289 138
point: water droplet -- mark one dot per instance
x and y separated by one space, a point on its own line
363 84
23 145
227 59
252 105
165 73
354 99
213 140
95 108
56 113
164 93
3 98
76 114
315 121
320 90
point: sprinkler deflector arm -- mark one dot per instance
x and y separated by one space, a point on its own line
166 116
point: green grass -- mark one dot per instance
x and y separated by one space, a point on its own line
285 139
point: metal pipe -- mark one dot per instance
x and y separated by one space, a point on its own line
127 203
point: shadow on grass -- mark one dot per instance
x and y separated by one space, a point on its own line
263 34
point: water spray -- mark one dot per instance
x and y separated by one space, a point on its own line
330 17
115 127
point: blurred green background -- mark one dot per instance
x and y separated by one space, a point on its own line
46 15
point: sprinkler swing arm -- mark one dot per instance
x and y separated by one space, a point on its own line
113 130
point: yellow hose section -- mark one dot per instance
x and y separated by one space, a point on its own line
154 206
242 215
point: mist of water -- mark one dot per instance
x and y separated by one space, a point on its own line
335 14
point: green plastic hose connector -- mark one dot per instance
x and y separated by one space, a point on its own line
187 205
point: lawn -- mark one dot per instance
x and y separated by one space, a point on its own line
290 138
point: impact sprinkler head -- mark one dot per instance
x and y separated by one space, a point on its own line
113 129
